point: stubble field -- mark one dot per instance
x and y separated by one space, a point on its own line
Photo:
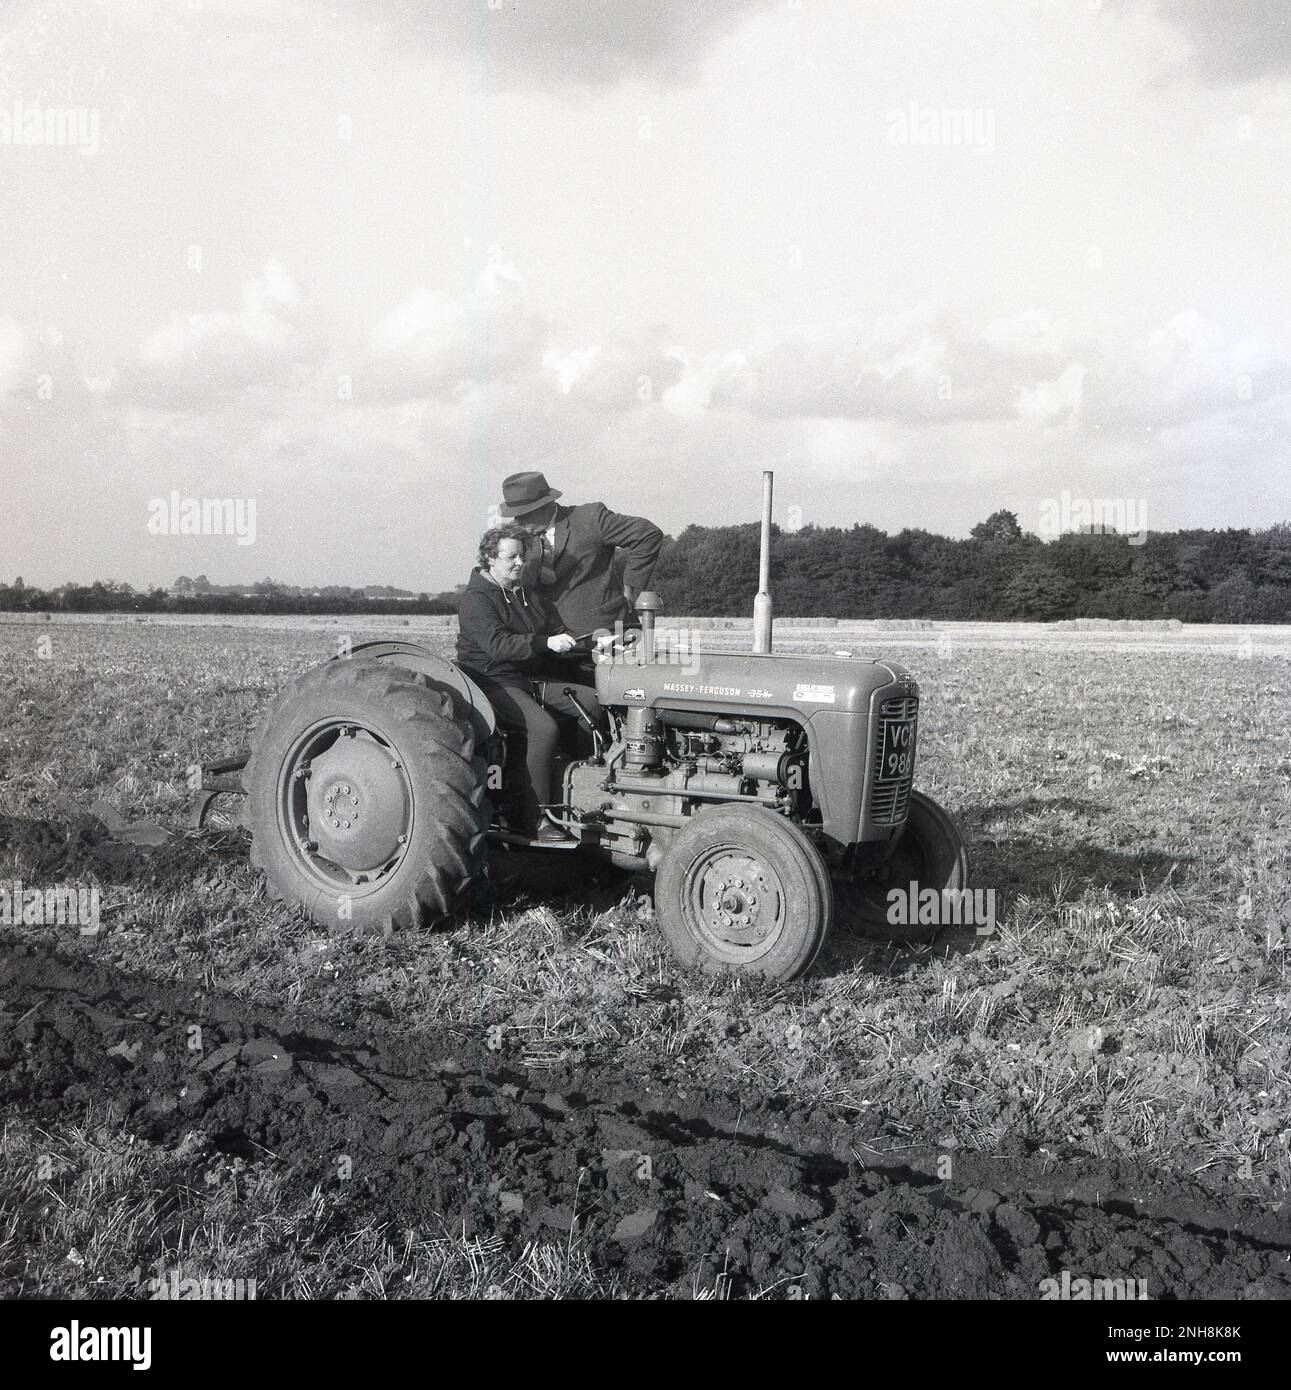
532 1100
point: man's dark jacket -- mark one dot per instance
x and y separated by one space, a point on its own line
502 634
586 593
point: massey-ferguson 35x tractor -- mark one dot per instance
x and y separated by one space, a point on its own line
745 781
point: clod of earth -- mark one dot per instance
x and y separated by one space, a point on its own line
633 1227
144 832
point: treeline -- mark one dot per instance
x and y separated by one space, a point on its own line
1000 572
107 596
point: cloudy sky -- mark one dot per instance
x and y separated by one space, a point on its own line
358 262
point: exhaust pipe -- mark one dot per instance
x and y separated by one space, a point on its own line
762 604
647 605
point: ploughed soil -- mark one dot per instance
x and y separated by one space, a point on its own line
664 1188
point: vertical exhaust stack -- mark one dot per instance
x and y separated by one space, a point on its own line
647 605
762 613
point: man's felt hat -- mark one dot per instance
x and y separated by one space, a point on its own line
525 492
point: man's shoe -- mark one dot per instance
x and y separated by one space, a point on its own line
549 833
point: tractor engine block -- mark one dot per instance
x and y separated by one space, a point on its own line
666 762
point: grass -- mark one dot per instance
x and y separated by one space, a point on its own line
1129 802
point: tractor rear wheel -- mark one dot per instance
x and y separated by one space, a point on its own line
930 854
367 802
742 888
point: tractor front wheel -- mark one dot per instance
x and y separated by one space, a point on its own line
742 888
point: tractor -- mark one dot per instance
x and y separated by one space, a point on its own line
747 783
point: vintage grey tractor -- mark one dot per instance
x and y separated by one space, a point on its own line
747 783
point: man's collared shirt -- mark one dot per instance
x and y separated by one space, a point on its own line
547 568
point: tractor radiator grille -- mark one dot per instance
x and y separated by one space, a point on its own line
890 791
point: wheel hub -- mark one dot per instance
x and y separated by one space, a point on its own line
359 805
736 900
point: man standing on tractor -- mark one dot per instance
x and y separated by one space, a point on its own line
574 565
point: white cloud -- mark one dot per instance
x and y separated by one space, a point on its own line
1053 402
13 354
911 366
1184 370
569 366
1033 332
38 370
435 345
562 45
626 370
1238 41
919 368
205 359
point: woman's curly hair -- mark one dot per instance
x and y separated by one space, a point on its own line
491 541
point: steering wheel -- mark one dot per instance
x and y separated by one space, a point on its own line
622 642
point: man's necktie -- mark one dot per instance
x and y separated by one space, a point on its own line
547 568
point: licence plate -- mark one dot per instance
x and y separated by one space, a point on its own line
896 748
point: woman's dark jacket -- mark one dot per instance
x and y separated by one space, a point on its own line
502 634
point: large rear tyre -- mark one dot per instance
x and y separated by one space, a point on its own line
742 888
367 803
930 854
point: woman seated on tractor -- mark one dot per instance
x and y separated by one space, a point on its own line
510 643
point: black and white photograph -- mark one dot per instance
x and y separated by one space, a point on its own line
647 656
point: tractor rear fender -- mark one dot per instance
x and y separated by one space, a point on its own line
414 657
